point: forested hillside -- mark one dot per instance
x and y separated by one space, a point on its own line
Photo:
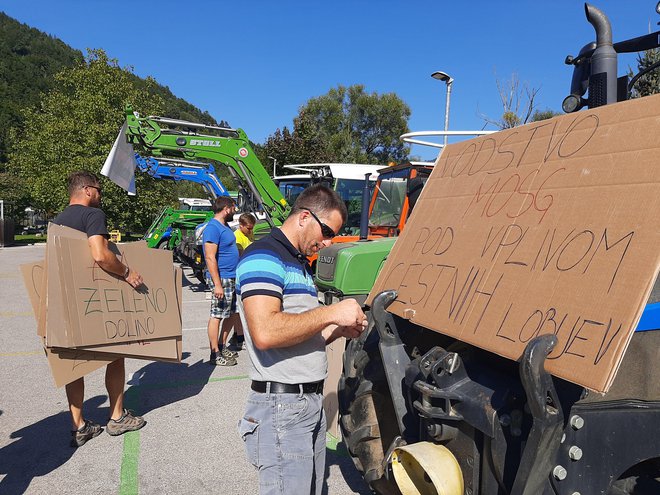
50 92
30 58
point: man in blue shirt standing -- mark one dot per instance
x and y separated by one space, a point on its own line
221 256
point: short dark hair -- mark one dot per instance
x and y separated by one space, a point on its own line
80 179
321 200
222 202
247 219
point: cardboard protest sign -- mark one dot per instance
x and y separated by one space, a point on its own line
546 228
56 319
33 275
68 365
335 353
104 309
158 349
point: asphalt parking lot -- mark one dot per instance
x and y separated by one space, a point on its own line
190 444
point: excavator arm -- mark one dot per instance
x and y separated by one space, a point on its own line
176 170
181 140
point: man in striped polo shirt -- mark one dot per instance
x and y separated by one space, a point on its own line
286 331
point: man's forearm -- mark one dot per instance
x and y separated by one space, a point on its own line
212 267
282 329
104 257
110 263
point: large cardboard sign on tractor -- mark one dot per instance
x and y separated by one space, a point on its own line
546 228
87 318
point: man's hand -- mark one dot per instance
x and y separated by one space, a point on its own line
218 291
347 313
348 332
134 279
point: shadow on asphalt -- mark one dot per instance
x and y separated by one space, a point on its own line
189 280
43 447
341 458
160 384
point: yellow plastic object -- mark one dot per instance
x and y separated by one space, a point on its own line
115 236
426 468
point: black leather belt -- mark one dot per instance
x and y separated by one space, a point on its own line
287 388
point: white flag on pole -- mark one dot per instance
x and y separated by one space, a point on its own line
120 165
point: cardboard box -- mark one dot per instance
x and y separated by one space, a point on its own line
335 354
68 365
100 308
159 349
54 323
546 228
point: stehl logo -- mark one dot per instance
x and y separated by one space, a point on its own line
327 259
204 142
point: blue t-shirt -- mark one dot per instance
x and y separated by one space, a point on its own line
224 237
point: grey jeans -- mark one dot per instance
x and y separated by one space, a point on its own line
284 436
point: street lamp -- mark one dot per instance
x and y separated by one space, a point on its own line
274 164
447 79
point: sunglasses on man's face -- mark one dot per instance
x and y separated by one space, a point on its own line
326 231
95 187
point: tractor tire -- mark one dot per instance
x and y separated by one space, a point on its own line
643 479
635 485
163 244
368 422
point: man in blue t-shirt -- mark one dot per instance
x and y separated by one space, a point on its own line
221 256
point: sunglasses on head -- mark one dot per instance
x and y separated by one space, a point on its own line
326 231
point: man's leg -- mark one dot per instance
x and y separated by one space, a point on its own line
75 394
230 318
83 430
298 422
115 378
319 450
213 330
232 321
213 326
121 420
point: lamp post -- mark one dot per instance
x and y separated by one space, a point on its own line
274 164
448 80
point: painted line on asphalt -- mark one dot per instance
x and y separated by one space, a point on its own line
14 314
129 483
21 353
335 445
129 464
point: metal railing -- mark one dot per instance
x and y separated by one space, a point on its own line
409 137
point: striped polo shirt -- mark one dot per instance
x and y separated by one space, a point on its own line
272 266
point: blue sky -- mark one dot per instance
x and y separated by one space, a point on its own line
254 63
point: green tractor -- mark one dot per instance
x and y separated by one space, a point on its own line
426 413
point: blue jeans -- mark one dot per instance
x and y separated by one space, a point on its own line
284 436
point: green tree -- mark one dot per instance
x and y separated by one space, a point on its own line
544 115
74 128
345 125
648 84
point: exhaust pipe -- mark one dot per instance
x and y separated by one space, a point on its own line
602 82
364 214
426 468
